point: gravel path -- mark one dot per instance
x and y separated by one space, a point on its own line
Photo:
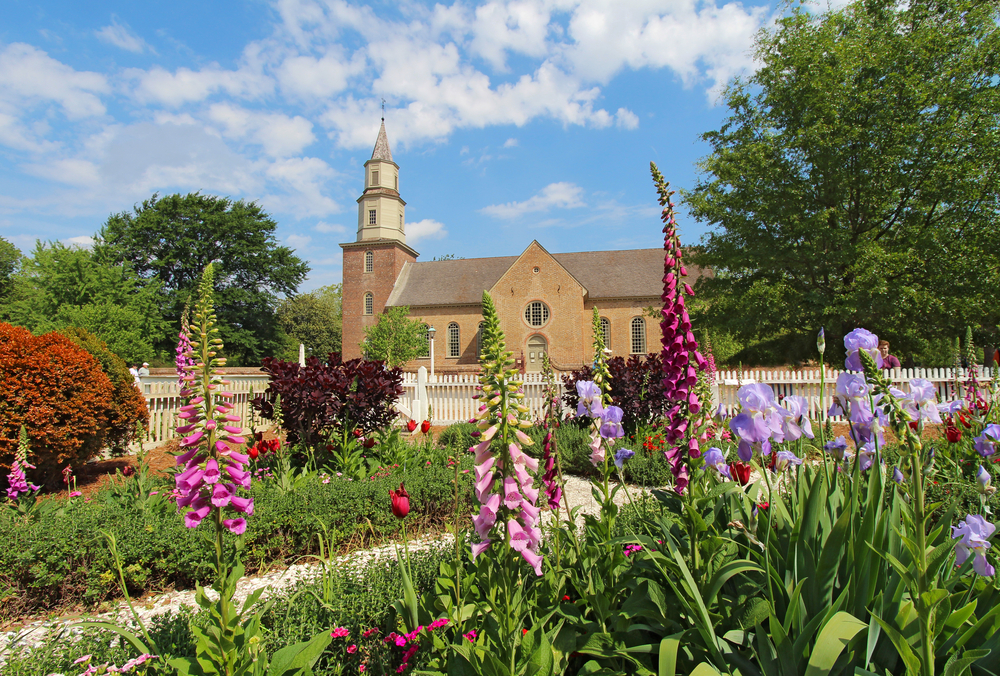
576 490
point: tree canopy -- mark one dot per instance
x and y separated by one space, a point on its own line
171 239
314 319
395 338
855 181
59 286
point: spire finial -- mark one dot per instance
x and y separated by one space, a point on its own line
383 110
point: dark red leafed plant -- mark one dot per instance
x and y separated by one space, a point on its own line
318 400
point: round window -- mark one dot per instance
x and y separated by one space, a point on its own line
536 314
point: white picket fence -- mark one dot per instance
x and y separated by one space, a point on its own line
806 383
449 397
164 402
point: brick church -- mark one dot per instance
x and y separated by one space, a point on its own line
545 300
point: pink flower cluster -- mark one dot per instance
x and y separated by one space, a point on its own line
210 476
17 482
112 669
401 641
553 491
681 359
508 474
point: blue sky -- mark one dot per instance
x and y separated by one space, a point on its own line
511 121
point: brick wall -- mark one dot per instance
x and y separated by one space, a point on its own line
389 258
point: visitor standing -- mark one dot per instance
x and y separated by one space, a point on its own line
134 370
888 361
144 371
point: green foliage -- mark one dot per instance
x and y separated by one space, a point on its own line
60 286
10 263
395 338
171 240
61 560
855 181
314 319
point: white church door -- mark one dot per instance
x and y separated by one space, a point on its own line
537 347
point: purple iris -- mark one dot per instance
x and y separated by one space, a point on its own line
590 399
975 533
716 459
837 448
986 443
797 423
611 423
866 456
921 402
857 340
786 459
621 455
757 397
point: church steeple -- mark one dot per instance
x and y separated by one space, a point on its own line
381 210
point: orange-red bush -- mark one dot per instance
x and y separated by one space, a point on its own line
58 392
128 406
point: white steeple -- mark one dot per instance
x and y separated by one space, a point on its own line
381 211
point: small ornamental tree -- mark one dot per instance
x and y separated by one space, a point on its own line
128 406
320 400
58 392
395 338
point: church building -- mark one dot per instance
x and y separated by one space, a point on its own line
545 301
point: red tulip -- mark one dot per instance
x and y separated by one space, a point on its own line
273 444
369 442
425 426
253 452
411 425
741 471
953 434
357 432
400 502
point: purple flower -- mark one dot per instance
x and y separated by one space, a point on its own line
986 442
18 482
866 456
921 402
836 448
975 532
984 479
897 476
716 459
590 399
621 455
821 341
857 340
611 423
786 459
757 397
797 423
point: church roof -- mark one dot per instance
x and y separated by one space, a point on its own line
635 273
381 151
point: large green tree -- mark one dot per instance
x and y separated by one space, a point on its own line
314 319
171 239
395 338
855 181
59 286
10 263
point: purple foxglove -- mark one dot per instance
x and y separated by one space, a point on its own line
479 547
244 505
221 494
212 473
511 493
974 533
237 525
199 510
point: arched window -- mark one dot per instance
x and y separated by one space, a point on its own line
606 331
369 261
536 313
479 340
454 349
638 335
369 303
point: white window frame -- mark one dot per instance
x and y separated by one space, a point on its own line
606 331
638 335
369 261
454 340
369 303
544 314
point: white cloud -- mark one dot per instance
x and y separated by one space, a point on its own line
561 195
278 134
310 77
298 241
159 85
120 36
29 76
70 171
82 241
626 119
328 228
510 143
428 228
304 180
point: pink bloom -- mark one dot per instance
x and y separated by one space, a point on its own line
75 494
479 548
487 516
221 494
211 471
511 493
200 509
340 632
351 649
244 505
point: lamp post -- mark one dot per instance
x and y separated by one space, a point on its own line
430 334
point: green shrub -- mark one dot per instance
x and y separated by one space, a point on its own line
457 438
63 559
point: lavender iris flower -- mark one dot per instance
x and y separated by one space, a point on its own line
837 448
786 459
921 402
897 476
716 459
621 455
951 407
759 422
866 456
611 427
975 533
851 391
986 443
984 479
590 399
797 423
857 340
757 397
